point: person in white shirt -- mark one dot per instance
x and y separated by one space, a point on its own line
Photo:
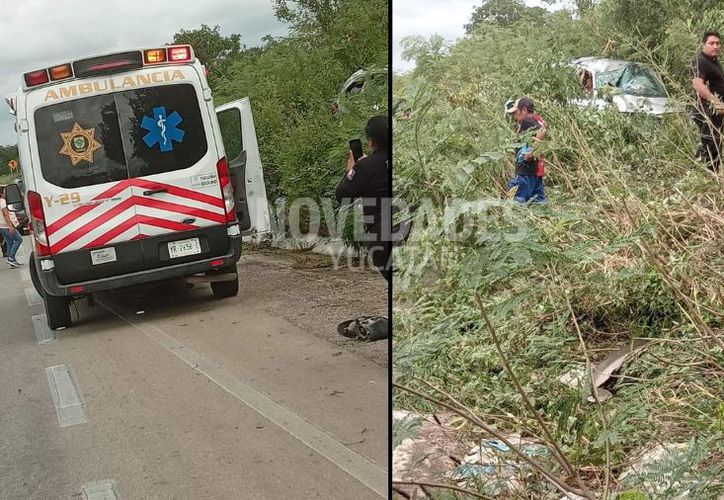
11 235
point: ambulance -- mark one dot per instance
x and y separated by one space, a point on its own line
131 176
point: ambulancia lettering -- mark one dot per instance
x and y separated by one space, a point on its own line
127 82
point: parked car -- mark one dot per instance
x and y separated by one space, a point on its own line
629 87
366 85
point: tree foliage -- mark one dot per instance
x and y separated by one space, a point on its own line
503 13
311 16
212 49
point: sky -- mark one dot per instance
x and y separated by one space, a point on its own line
35 34
427 17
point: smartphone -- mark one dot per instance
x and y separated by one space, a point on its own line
355 145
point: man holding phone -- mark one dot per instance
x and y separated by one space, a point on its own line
367 177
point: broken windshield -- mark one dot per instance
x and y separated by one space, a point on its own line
633 79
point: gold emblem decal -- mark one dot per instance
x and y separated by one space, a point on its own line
79 144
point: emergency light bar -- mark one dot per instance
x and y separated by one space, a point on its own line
178 54
61 72
108 64
36 78
105 65
181 53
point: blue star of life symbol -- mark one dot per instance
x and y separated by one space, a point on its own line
162 129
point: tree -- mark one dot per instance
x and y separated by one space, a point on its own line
212 49
308 15
584 6
502 13
424 51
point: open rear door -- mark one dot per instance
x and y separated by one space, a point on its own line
242 154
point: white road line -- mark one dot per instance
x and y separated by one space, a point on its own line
42 332
33 298
361 468
24 274
106 489
69 405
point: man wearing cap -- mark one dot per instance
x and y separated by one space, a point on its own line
527 185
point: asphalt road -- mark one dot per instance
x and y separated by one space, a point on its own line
169 393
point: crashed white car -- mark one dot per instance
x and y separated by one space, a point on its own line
369 85
628 86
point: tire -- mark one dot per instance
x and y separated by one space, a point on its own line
57 310
224 289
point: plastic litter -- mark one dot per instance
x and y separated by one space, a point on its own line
470 471
535 450
498 445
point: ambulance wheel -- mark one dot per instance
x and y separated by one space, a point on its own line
223 289
57 309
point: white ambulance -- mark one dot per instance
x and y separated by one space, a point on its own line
132 176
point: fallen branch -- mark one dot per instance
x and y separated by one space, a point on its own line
441 485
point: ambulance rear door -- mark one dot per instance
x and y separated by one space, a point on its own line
81 180
173 168
242 151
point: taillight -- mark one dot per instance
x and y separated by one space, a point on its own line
37 219
227 191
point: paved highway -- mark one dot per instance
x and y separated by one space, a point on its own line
170 393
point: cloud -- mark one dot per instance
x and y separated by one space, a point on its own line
39 33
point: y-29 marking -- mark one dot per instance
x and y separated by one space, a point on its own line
63 199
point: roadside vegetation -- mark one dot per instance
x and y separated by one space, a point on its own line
629 251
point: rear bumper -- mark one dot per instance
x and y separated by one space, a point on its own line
52 286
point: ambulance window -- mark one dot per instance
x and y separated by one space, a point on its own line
79 142
162 128
230 124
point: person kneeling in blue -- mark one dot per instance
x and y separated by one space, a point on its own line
527 185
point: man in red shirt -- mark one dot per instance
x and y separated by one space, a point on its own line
527 185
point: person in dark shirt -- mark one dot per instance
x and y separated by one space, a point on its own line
708 113
368 179
527 185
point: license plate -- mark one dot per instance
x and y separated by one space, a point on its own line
103 256
183 248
